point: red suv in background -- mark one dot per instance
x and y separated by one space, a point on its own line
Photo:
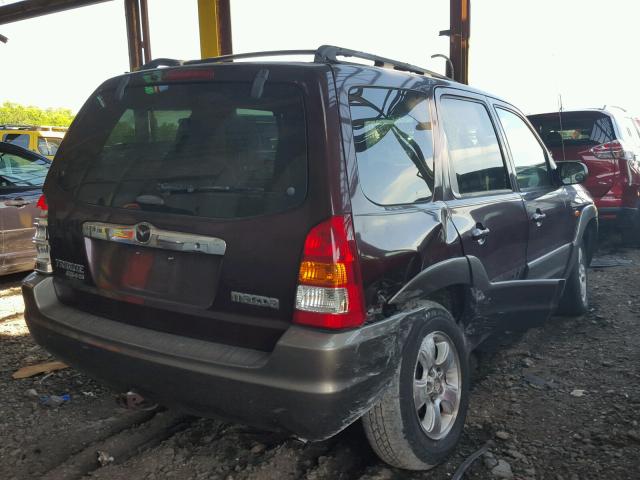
607 140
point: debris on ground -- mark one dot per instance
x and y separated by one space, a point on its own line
464 466
502 470
54 400
32 370
104 458
135 401
607 261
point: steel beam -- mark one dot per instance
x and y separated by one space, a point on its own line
459 33
214 18
26 9
136 14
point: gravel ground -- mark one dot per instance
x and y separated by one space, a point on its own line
558 402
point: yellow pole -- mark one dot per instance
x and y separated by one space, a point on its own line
209 35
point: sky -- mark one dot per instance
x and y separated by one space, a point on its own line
527 52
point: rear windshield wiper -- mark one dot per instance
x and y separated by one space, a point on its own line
174 188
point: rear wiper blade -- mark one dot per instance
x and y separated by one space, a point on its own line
188 188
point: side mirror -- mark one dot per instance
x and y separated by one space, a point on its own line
571 173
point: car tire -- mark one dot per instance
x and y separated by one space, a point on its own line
420 418
575 298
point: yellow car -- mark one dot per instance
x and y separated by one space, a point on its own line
41 139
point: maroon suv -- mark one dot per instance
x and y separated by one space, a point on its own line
607 140
299 245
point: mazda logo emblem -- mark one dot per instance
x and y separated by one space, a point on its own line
143 233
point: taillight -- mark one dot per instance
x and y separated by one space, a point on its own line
611 150
41 238
329 293
42 205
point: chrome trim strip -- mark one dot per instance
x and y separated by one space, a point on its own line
146 235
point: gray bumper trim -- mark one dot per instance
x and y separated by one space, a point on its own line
313 384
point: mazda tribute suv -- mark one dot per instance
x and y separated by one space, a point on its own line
301 245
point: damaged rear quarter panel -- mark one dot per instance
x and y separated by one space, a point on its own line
355 370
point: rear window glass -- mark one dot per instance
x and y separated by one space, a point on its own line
574 128
394 145
204 149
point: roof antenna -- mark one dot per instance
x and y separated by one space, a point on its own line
449 63
564 157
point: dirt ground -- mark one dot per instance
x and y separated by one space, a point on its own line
561 401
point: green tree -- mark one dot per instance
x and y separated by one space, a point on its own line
14 113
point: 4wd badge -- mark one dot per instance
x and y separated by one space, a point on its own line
71 270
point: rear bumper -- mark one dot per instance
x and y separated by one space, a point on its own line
313 384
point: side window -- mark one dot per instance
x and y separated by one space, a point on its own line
22 172
475 158
528 155
394 144
48 145
20 139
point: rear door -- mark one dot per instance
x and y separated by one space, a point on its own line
488 214
551 222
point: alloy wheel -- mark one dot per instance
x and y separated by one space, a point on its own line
437 385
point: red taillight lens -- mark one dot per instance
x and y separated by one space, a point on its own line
329 293
609 150
42 204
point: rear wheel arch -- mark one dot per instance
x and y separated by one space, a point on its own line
453 298
446 281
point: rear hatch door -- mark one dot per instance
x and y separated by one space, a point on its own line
572 135
180 200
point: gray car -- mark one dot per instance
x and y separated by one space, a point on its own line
22 173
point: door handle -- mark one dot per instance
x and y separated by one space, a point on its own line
17 202
480 234
538 216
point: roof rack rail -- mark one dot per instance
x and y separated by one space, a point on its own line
614 106
16 126
330 54
323 54
161 62
239 56
39 128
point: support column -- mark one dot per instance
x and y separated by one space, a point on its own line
214 17
136 14
459 34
